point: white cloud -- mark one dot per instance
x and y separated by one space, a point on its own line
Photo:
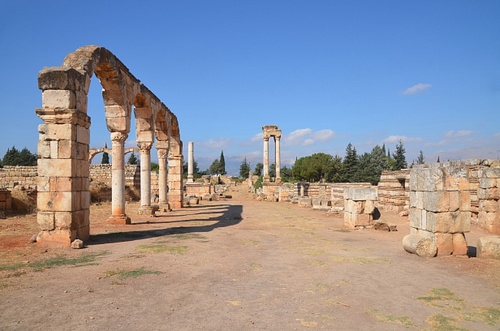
395 139
307 137
257 137
297 135
415 89
308 142
455 134
323 135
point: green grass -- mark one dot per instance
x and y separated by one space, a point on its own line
134 273
402 320
440 322
443 298
57 261
161 248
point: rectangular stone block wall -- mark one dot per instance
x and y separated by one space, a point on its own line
440 204
359 204
394 191
24 177
489 199
5 200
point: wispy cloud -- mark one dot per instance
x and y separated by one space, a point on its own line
405 139
415 89
307 137
460 133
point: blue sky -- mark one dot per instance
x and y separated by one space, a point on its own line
327 72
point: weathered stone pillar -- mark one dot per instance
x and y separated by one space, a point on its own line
162 178
145 150
118 215
278 159
190 162
175 184
266 159
63 197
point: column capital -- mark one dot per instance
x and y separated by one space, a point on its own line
118 137
162 153
144 146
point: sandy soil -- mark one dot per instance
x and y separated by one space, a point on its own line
240 264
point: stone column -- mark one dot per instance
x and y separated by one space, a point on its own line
145 150
266 159
278 159
190 162
162 179
118 215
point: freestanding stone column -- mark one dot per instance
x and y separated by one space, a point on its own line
145 150
278 158
118 215
190 162
266 159
162 178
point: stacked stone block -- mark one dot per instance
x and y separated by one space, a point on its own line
5 200
489 199
394 191
440 205
359 204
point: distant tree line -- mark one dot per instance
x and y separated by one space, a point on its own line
353 168
14 157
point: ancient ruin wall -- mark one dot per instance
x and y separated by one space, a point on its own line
23 177
394 191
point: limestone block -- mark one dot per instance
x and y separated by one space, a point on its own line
44 149
82 135
490 206
489 221
487 194
55 167
418 218
369 207
63 220
118 124
448 222
46 221
360 193
427 179
355 207
488 247
459 244
63 99
444 243
59 78
417 199
305 202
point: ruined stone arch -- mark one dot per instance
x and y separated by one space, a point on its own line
93 152
63 149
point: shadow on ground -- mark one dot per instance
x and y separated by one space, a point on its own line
231 215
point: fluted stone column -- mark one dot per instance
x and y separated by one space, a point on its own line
118 215
190 162
145 151
162 179
278 159
266 159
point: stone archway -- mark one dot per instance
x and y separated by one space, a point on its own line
63 148
93 152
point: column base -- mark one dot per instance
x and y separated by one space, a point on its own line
120 219
164 207
148 210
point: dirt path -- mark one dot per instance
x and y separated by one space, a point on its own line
240 264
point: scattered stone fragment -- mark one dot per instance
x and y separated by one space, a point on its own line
488 247
415 244
77 244
384 226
